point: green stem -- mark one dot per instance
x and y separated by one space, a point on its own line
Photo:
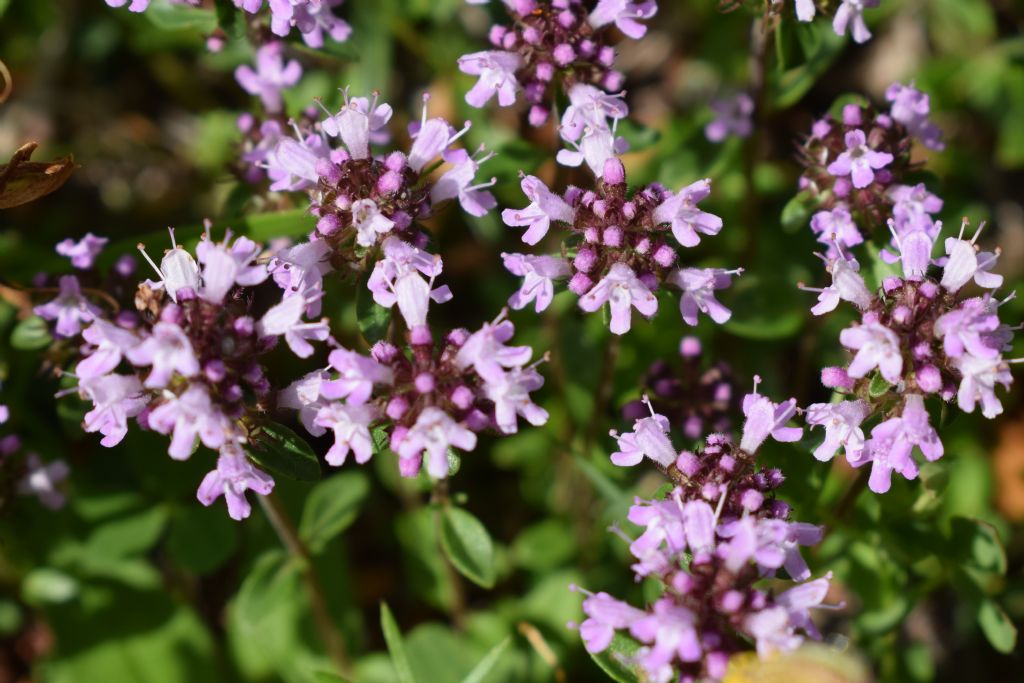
329 633
440 499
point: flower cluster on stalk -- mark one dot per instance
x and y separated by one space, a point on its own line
711 541
26 474
849 15
313 19
425 397
552 45
186 361
620 249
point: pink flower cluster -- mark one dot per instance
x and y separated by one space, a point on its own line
185 363
619 249
551 44
918 338
424 399
710 542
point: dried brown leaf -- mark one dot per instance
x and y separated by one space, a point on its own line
23 181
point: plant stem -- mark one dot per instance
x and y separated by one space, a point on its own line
760 32
329 634
846 503
439 497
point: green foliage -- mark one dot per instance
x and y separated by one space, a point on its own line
282 451
331 507
396 646
467 545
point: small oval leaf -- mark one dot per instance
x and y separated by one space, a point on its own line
282 451
468 546
396 647
31 334
331 507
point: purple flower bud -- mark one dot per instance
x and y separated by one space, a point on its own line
592 235
215 370
496 34
580 284
458 336
902 314
538 115
606 56
928 289
384 352
587 48
566 19
389 183
693 427
564 54
125 266
244 326
395 162
420 336
891 284
397 407
689 347
234 393
778 509
462 397
665 256
585 260
613 80
852 115
172 313
544 72
614 172
612 236
732 601
329 224
727 463
424 383
531 35
929 379
842 187
410 467
329 172
752 500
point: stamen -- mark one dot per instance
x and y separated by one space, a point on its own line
142 248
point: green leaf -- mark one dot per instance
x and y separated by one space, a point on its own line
10 614
638 136
878 386
978 546
821 46
284 452
996 626
373 320
393 638
230 19
46 586
480 671
797 212
170 17
4 4
129 535
31 334
615 659
331 507
201 538
468 546
272 580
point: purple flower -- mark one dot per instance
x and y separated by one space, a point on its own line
177 270
911 107
680 209
304 396
842 427
671 631
223 268
590 107
109 343
648 438
765 418
625 14
970 328
433 434
351 427
358 122
893 441
233 477
847 285
70 309
805 10
369 222
300 271
397 279
190 416
292 163
913 206
497 72
966 263
732 117
510 393
621 289
486 352
770 543
458 182
915 247
853 11
877 347
980 376
859 161
115 398
836 229
285 319
539 274
42 481
272 75
312 18
544 207
605 615
82 253
356 376
698 287
168 350
595 146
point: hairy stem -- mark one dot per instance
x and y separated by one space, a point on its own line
329 633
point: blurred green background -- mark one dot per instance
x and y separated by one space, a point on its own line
135 581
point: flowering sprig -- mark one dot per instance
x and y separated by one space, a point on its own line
551 45
618 249
855 170
849 16
919 337
26 474
314 19
709 542
424 399
185 362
